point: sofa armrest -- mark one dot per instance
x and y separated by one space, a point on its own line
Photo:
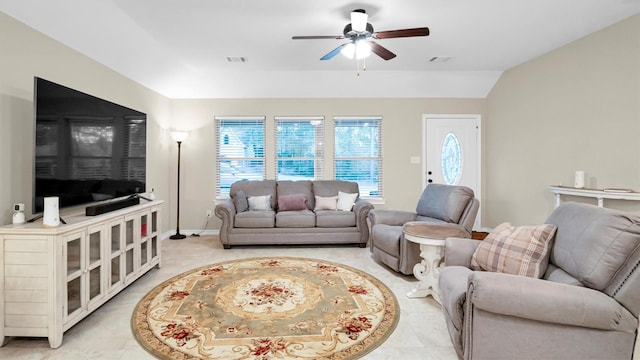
226 211
547 301
458 251
391 217
362 208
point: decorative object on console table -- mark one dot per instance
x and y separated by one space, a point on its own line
51 215
18 215
179 137
579 180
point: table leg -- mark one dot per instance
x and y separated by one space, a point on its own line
427 271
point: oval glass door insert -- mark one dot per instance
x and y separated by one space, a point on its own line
451 158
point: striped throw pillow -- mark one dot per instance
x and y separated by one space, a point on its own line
522 250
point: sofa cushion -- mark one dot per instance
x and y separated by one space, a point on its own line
346 201
304 187
335 219
522 250
444 202
558 275
326 203
593 243
260 203
256 188
255 219
331 187
292 202
296 219
240 201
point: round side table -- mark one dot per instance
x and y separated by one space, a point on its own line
431 239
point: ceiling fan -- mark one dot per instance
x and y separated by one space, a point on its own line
360 34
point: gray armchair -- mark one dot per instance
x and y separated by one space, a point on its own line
438 204
585 306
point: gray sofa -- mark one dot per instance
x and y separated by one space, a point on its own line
315 222
585 306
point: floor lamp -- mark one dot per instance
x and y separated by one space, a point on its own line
179 137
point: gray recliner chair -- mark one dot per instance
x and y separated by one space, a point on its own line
585 306
438 204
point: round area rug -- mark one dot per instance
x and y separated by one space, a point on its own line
266 308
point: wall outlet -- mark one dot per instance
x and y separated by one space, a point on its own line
208 213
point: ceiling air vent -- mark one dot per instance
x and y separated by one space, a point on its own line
440 59
237 59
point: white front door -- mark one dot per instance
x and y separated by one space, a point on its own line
451 151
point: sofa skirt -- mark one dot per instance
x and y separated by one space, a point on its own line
277 236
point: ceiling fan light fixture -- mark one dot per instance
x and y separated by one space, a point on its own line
359 49
349 50
359 19
363 49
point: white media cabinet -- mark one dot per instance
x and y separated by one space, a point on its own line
51 278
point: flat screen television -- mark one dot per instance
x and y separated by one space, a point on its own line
87 149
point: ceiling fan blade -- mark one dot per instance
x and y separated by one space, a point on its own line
381 51
333 52
423 31
313 37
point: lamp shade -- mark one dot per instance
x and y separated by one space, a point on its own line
179 135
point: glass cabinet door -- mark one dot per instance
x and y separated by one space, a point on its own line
130 235
94 269
144 239
116 253
154 220
74 261
154 244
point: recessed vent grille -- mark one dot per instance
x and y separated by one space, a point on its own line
237 59
440 59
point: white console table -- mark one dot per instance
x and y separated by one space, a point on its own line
51 278
592 193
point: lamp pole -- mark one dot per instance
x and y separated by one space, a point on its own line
177 235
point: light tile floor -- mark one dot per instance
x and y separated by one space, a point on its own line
106 334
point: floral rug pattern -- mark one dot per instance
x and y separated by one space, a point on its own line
266 308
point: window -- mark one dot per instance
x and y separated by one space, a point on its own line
240 150
358 152
299 144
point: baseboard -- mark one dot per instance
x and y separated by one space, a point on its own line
188 233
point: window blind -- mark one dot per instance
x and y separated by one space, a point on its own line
299 148
358 152
240 155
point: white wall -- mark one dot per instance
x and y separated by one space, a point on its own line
401 124
26 53
576 108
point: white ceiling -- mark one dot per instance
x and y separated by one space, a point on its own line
179 47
